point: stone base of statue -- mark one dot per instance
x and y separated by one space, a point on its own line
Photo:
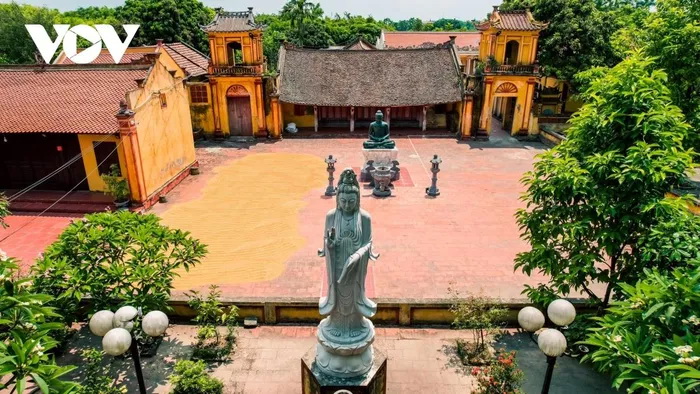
315 381
377 156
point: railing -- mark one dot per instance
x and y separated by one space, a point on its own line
236 70
513 69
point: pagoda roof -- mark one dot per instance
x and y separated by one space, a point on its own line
237 21
519 20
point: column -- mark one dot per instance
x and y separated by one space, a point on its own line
315 118
528 104
130 142
260 109
352 118
466 125
215 109
276 126
425 117
485 119
387 118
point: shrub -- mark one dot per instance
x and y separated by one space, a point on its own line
500 376
4 210
97 380
25 344
190 377
210 314
116 258
484 319
651 340
116 185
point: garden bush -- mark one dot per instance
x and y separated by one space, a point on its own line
97 378
484 318
120 258
26 362
210 315
651 340
501 376
190 377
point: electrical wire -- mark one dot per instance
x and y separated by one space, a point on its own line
63 196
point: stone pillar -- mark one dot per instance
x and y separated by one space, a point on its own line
352 118
387 118
492 45
485 119
425 118
527 107
134 170
215 109
315 118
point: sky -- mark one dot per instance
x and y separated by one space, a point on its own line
394 9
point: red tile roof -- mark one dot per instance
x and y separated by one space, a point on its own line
64 99
512 20
465 41
188 58
233 22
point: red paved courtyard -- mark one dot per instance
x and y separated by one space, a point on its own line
466 238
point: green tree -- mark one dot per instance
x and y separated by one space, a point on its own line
651 340
16 46
170 20
4 210
577 38
116 258
596 204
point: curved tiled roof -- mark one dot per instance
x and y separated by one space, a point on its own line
232 22
512 20
65 99
391 77
188 58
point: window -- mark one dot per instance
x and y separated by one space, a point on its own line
234 53
511 55
163 101
198 94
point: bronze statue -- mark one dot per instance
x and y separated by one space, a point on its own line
379 134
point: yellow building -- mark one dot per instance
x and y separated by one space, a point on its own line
64 125
508 51
236 75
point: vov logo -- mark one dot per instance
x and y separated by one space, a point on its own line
69 36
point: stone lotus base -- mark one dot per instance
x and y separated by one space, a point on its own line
314 381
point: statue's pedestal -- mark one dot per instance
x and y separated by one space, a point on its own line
379 156
313 381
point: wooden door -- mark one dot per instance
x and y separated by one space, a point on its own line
239 116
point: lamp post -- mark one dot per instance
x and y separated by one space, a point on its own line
116 332
330 161
550 340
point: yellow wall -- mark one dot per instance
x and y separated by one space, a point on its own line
257 105
251 43
165 140
201 113
289 117
523 103
95 182
527 45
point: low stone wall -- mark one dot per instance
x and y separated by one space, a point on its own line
550 138
389 312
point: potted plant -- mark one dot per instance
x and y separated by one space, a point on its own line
117 187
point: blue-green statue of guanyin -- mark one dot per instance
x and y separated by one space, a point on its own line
346 334
379 134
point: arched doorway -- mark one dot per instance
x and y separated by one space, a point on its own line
239 114
504 105
511 55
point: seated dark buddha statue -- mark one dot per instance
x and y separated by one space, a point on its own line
379 134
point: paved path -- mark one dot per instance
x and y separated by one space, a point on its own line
267 360
260 208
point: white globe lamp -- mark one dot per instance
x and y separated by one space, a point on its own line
530 319
124 317
552 342
561 312
116 341
101 323
154 323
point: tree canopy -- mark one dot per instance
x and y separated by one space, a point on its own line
596 207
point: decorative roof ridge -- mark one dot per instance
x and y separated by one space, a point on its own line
442 46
